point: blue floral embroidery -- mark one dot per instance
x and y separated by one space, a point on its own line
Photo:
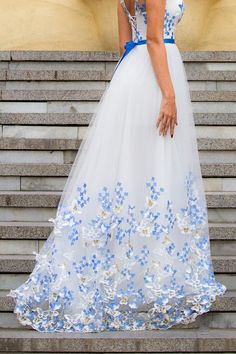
138 22
141 9
182 7
103 303
169 25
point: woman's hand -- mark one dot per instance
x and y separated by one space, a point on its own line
167 119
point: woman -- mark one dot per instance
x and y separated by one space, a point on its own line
130 245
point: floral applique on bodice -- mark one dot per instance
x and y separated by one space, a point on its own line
173 14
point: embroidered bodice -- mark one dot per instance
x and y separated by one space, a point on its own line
173 14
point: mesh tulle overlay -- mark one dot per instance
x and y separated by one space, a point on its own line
131 274
129 249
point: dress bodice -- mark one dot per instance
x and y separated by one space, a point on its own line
173 14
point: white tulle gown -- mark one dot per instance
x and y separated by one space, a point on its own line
130 245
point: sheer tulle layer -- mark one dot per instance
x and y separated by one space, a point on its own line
130 245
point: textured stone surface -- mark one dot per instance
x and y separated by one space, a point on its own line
60 169
131 342
108 56
29 199
219 215
214 107
62 66
5 55
18 246
36 230
43 183
33 169
27 214
211 132
203 96
220 247
224 119
217 156
39 132
97 75
96 95
11 280
23 107
75 106
18 157
199 74
46 118
216 144
221 199
49 139
57 184
69 56
62 75
51 199
57 86
9 183
39 144
51 95
219 170
54 119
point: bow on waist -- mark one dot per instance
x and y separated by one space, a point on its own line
132 44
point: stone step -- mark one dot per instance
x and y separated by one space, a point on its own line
87 56
200 340
41 230
80 85
21 183
96 95
25 263
26 143
88 107
49 72
26 246
56 95
214 133
50 199
221 158
42 214
63 169
77 119
96 353
94 65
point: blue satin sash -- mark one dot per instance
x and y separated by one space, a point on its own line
131 45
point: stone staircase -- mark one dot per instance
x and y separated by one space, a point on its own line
46 101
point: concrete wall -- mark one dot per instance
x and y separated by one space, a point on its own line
92 25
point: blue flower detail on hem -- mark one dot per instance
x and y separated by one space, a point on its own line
132 260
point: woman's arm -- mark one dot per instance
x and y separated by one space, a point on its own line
125 31
155 14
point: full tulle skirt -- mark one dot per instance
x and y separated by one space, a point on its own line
129 249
